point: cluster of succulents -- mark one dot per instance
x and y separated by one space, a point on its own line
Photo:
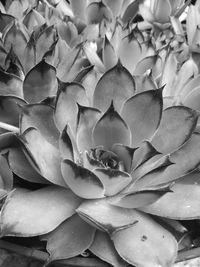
100 142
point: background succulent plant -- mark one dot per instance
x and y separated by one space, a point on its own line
98 151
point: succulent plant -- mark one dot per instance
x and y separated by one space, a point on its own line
91 158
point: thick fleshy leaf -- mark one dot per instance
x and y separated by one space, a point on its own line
23 167
98 11
5 19
129 52
40 116
70 239
130 12
6 176
138 199
16 36
192 84
32 213
33 19
44 41
82 182
40 82
66 106
106 217
156 162
87 118
145 64
185 160
111 129
176 127
10 84
113 180
65 145
125 155
180 204
115 85
192 99
104 249
142 113
10 110
143 153
45 155
146 243
109 55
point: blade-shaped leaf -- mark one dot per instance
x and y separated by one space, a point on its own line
5 19
115 85
176 127
40 82
146 243
113 180
87 118
142 113
180 204
33 19
104 249
106 217
82 182
40 116
46 156
185 160
70 239
66 105
111 129
31 213
98 11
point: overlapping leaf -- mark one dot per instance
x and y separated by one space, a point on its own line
31 213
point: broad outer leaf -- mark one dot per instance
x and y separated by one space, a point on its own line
40 116
106 217
82 182
66 105
180 204
191 100
31 213
176 127
115 85
70 239
185 160
46 156
40 82
10 110
142 113
145 243
104 249
111 129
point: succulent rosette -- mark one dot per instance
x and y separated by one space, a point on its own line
91 158
104 165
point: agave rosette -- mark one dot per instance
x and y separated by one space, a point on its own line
103 166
